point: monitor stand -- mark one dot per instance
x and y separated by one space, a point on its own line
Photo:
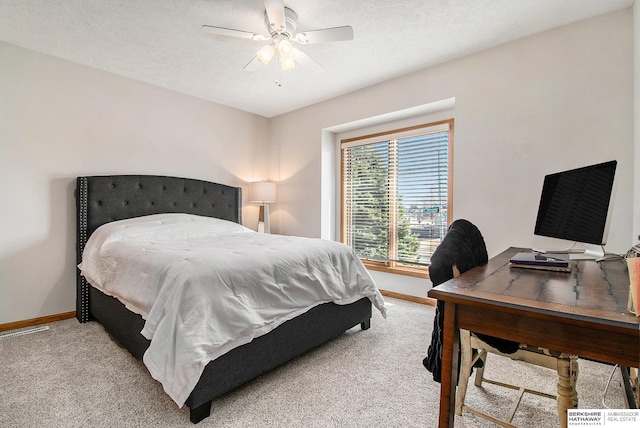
591 252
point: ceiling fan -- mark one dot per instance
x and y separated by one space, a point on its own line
281 25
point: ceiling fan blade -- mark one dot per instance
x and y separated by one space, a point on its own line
275 13
335 34
253 65
307 62
221 31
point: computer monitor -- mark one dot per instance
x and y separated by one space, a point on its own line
574 204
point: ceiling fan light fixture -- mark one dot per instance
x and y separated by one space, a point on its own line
287 63
285 48
266 54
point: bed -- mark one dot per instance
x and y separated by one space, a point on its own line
102 200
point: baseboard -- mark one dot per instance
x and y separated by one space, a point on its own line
37 321
415 299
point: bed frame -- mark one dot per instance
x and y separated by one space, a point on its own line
102 199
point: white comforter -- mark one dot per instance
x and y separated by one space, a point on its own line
205 286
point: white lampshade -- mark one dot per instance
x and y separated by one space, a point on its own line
287 64
285 48
265 54
262 191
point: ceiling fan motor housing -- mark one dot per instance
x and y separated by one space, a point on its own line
290 19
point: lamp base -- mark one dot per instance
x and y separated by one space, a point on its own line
263 219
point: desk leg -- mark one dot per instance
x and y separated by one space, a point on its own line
450 350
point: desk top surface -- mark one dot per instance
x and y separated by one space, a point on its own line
593 291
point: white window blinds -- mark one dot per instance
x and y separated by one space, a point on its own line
395 194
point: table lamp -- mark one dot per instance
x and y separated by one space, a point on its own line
263 192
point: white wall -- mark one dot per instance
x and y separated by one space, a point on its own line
59 120
636 180
554 101
560 99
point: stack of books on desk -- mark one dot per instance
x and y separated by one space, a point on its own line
547 261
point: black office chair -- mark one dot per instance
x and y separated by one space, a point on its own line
462 249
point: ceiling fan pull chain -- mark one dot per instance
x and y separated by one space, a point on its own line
278 72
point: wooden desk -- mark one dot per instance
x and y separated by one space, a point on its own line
583 313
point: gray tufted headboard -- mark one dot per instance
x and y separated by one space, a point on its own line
103 199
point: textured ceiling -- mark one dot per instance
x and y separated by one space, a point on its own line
161 42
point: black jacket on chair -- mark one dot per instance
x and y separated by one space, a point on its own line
464 247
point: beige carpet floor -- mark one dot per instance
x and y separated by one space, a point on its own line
75 375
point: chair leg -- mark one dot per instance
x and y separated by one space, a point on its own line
566 390
480 370
574 380
465 369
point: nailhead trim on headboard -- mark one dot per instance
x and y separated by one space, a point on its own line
103 199
82 294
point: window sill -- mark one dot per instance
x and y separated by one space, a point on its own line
381 267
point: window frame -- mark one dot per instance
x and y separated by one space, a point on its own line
392 266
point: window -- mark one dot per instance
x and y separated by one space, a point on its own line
396 195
